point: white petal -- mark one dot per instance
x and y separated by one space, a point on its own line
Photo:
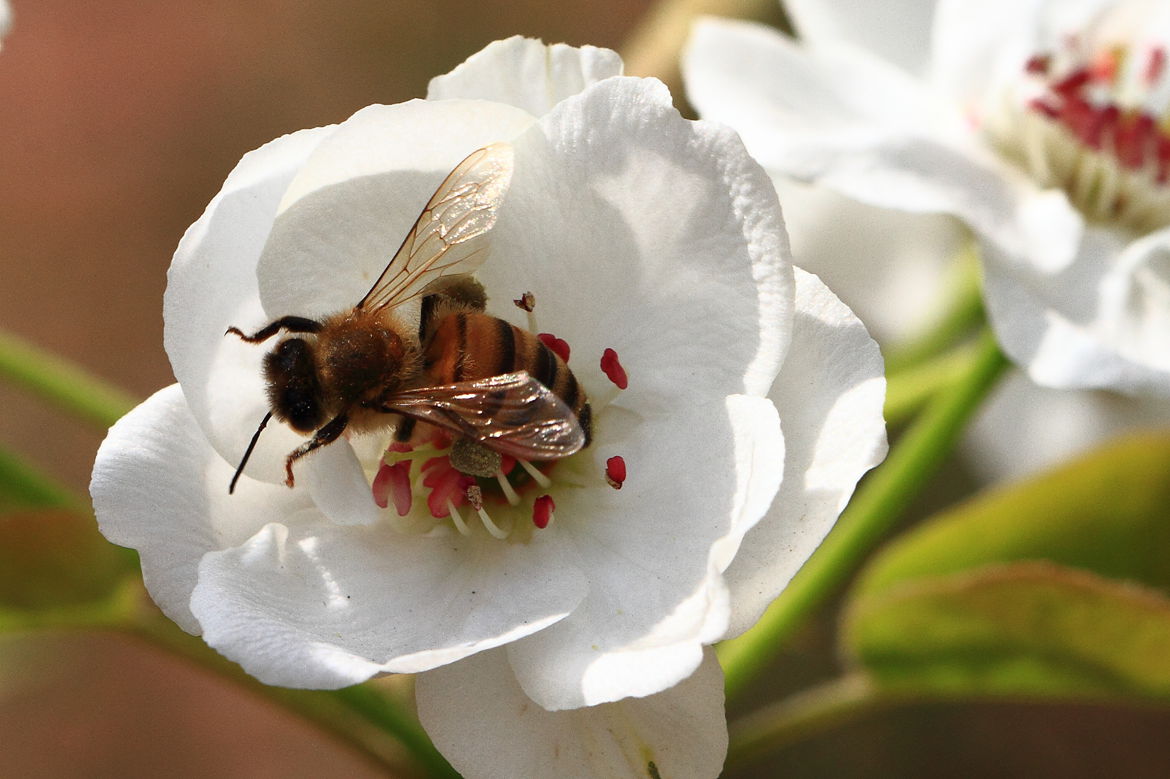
1024 428
5 18
482 721
526 73
211 285
352 203
889 267
619 212
339 486
1099 323
897 31
158 487
830 394
652 552
312 604
823 118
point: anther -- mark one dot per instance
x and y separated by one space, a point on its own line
527 301
536 475
613 369
542 511
615 471
558 345
393 483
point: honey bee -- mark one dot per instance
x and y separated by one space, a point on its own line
496 387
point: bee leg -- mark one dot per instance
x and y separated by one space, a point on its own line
294 324
326 435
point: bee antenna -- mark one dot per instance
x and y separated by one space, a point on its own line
248 452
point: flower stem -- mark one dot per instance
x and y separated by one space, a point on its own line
23 485
61 382
910 389
876 506
800 715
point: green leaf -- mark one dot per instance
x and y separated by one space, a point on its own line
1021 630
1057 586
1108 512
51 558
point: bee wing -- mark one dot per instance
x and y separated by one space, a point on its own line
442 240
512 413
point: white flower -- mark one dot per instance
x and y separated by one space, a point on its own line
636 231
1042 125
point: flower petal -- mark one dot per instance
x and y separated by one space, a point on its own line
652 552
526 73
339 486
830 394
619 210
898 32
481 720
159 488
312 604
211 285
1099 323
354 200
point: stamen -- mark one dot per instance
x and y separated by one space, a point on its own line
506 488
613 369
393 481
527 301
558 345
542 511
615 471
457 519
536 475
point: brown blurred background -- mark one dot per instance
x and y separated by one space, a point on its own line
118 122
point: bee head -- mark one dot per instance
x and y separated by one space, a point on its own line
294 391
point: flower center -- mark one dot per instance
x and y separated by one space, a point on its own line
1095 122
440 480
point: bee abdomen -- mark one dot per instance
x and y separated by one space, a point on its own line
467 346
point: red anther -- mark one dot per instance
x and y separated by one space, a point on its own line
1163 152
1038 64
393 483
527 301
402 447
613 369
1104 66
615 471
542 511
1072 83
1079 117
1131 140
474 496
447 484
558 345
507 463
1156 65
1039 105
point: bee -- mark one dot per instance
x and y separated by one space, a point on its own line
496 387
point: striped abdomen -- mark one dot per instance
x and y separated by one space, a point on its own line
467 346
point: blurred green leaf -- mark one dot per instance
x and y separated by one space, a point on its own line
1107 512
1030 629
1059 585
53 557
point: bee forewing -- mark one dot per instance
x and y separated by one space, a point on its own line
443 240
513 414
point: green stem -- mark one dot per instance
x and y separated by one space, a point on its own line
876 506
24 485
801 715
909 390
61 382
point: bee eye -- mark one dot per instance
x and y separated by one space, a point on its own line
293 391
